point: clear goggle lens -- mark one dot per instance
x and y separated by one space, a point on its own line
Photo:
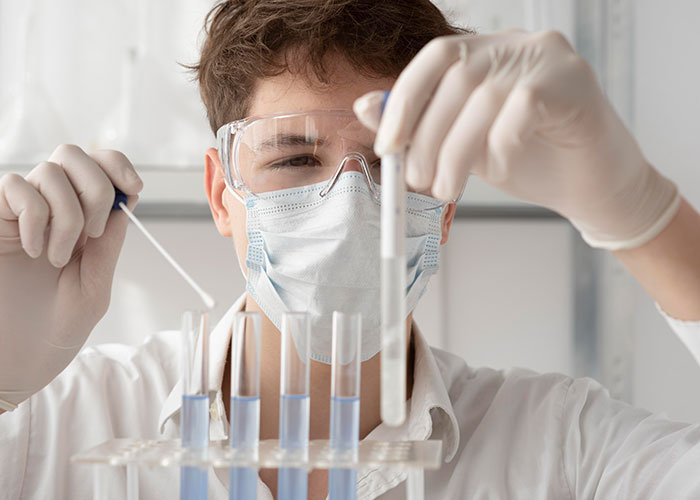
271 153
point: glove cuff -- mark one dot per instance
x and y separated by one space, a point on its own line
636 216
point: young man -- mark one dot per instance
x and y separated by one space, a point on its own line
279 79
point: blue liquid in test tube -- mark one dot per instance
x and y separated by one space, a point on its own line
345 402
245 402
292 483
195 403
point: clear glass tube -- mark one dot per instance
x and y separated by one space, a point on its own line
294 402
245 401
345 401
132 482
195 401
393 291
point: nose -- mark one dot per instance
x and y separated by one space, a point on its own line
351 162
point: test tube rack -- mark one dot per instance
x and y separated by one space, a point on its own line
167 453
413 456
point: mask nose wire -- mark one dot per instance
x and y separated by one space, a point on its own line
360 158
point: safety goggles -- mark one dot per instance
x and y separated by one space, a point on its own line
268 153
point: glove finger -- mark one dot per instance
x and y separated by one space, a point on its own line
95 190
437 119
119 170
413 89
21 202
66 215
465 147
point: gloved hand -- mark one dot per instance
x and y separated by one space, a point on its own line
59 244
524 112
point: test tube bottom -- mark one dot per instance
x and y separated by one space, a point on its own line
245 425
342 484
193 483
292 483
243 483
345 429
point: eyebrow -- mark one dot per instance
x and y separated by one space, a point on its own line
288 140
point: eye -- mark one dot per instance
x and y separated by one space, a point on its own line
303 161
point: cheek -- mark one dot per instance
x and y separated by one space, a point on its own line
237 221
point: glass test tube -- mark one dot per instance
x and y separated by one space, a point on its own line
345 401
245 402
393 291
195 403
294 403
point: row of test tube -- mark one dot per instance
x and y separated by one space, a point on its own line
294 403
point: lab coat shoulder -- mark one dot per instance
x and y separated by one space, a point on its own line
614 450
511 443
108 391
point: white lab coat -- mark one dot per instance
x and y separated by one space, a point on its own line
506 434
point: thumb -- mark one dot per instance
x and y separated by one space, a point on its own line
100 255
369 107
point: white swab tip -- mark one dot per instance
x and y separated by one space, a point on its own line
209 301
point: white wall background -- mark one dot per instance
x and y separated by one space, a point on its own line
504 294
667 79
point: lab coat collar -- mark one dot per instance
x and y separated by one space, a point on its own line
219 341
430 411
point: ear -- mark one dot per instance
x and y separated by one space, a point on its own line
214 188
446 222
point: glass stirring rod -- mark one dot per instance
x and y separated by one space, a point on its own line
120 204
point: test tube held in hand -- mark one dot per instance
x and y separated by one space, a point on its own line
393 291
294 404
195 403
245 402
345 401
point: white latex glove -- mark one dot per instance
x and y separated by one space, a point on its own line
524 112
59 244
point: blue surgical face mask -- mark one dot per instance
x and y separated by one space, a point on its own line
321 254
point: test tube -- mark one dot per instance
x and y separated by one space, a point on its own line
195 403
245 402
294 403
345 401
393 291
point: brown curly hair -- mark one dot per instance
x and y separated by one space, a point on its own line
247 40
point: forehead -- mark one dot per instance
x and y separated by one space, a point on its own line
289 92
